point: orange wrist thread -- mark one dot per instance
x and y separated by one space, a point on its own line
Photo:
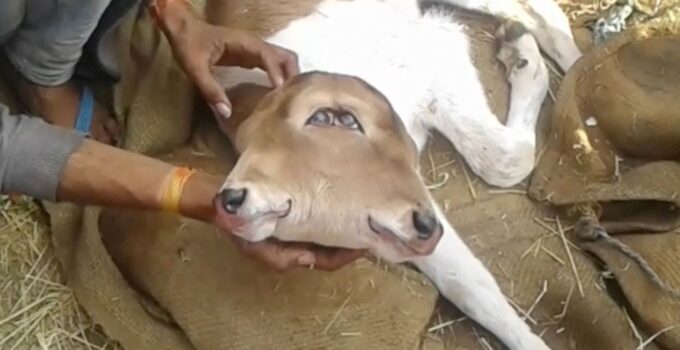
171 193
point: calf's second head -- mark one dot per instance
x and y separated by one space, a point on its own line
325 159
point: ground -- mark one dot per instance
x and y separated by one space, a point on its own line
37 311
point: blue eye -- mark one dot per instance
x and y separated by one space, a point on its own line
321 117
348 121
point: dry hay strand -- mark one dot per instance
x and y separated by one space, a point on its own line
37 311
580 10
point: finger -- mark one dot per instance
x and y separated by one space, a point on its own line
291 68
278 255
250 52
331 260
111 128
260 251
99 133
211 90
271 63
290 63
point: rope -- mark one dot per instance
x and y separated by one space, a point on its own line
587 230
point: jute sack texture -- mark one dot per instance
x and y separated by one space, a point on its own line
612 159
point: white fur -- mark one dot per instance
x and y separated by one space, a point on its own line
420 62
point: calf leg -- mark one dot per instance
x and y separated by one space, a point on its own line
467 283
544 19
502 155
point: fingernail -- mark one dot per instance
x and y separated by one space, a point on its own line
306 260
279 82
223 110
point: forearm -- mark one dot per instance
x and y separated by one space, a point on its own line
99 174
56 164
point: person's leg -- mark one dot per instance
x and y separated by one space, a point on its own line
49 43
45 50
11 14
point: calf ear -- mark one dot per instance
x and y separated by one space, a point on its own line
244 98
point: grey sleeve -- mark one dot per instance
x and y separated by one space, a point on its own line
33 154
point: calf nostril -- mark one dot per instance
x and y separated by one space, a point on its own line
232 199
425 224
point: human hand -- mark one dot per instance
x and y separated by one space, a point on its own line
198 46
284 256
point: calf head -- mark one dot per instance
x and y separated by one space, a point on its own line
325 159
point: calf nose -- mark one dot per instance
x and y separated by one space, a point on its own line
425 223
232 199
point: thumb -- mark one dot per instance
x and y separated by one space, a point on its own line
212 92
291 255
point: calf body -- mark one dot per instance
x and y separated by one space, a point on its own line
420 62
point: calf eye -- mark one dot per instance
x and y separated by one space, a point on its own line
348 121
321 117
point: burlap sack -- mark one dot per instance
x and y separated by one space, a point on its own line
612 155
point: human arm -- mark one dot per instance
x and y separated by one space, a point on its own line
98 174
56 164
